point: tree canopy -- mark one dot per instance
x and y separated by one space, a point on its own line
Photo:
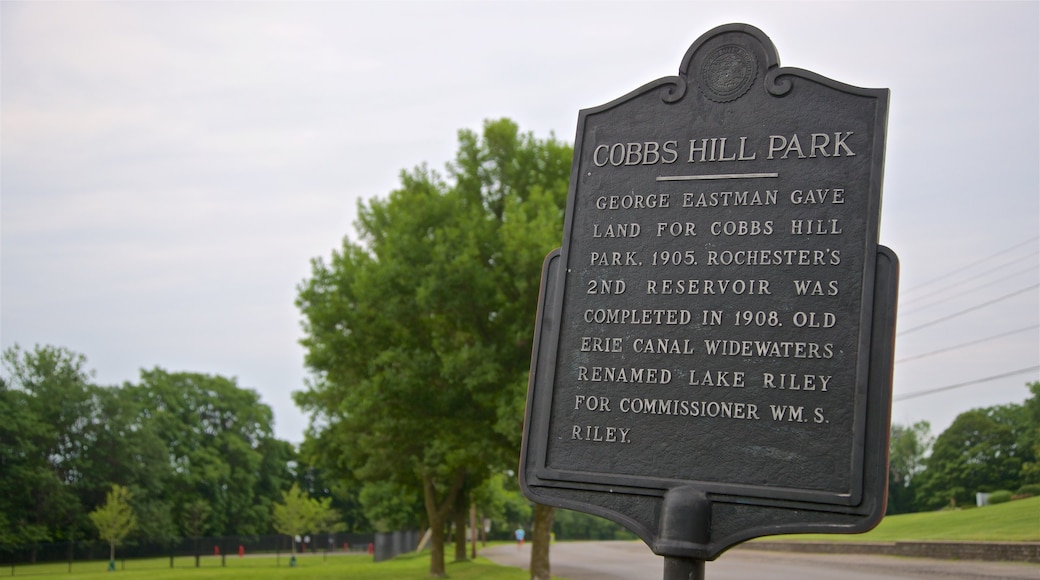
980 452
419 333
984 450
908 447
220 446
195 452
63 443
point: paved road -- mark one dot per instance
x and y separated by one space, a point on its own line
634 561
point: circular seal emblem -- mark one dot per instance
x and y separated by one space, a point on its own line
727 73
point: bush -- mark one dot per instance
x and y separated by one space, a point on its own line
1002 496
1028 489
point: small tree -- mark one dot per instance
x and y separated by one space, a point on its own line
326 518
114 520
295 515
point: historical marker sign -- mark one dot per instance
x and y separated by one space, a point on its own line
720 317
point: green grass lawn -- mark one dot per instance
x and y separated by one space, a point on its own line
1016 521
356 567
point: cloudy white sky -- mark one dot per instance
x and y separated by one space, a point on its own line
169 169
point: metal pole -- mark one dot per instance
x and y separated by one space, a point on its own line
685 528
683 568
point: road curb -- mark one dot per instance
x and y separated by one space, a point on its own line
943 550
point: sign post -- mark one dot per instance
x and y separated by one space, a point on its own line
714 344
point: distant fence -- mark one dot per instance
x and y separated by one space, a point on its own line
183 552
392 544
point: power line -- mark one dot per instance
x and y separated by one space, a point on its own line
955 347
967 310
956 287
959 385
989 282
962 268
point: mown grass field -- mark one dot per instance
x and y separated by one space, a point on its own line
310 567
1016 521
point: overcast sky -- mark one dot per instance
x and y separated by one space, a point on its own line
169 169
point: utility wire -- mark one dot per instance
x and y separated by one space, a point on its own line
959 385
989 282
967 310
962 268
956 314
955 347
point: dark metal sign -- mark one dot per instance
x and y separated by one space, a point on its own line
719 322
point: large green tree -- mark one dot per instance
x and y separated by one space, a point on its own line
64 442
1029 438
31 494
174 440
419 334
908 447
979 452
220 446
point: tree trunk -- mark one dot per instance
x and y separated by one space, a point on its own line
437 569
459 517
540 536
473 530
437 513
